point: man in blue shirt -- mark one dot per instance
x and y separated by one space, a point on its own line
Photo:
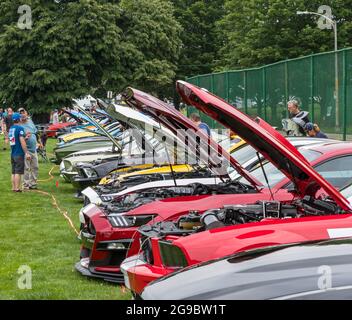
201 125
31 165
19 152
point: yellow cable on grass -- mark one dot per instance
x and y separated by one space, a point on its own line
51 176
55 203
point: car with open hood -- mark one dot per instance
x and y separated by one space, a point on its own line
109 179
108 228
131 148
202 236
158 154
115 184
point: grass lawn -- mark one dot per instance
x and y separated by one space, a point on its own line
35 234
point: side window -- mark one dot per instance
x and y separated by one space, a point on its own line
337 171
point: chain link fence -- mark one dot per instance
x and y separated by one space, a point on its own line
312 80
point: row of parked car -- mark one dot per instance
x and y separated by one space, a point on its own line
172 214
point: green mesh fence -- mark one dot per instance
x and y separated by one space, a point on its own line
265 91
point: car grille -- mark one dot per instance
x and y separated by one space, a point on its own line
116 258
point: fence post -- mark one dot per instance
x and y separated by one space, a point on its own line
312 87
245 92
227 85
344 114
264 91
286 86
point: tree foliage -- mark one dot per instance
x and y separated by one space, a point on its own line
200 38
258 32
86 46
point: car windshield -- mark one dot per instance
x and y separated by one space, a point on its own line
243 154
275 175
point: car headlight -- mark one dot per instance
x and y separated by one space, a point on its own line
68 165
127 221
90 173
172 256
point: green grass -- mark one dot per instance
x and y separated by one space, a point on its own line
35 234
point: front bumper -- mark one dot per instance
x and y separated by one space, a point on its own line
68 175
83 268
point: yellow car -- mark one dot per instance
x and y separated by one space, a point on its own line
152 169
238 142
132 171
77 135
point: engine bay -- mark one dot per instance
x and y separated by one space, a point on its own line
134 200
116 184
240 214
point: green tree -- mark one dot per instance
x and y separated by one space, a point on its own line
86 46
151 43
258 32
201 42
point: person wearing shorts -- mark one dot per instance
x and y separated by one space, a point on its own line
18 152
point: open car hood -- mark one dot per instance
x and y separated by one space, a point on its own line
134 118
175 120
101 128
264 138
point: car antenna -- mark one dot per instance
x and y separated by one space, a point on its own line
265 176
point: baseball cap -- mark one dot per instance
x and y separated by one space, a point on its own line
309 126
16 116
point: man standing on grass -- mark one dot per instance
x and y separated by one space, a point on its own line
19 152
31 165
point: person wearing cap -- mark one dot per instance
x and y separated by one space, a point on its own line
313 130
19 152
297 116
31 165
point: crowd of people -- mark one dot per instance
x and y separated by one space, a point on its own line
21 135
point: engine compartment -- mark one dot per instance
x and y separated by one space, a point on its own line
134 200
195 222
116 185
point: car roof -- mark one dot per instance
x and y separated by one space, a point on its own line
327 148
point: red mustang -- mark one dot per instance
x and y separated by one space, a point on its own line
109 237
192 238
